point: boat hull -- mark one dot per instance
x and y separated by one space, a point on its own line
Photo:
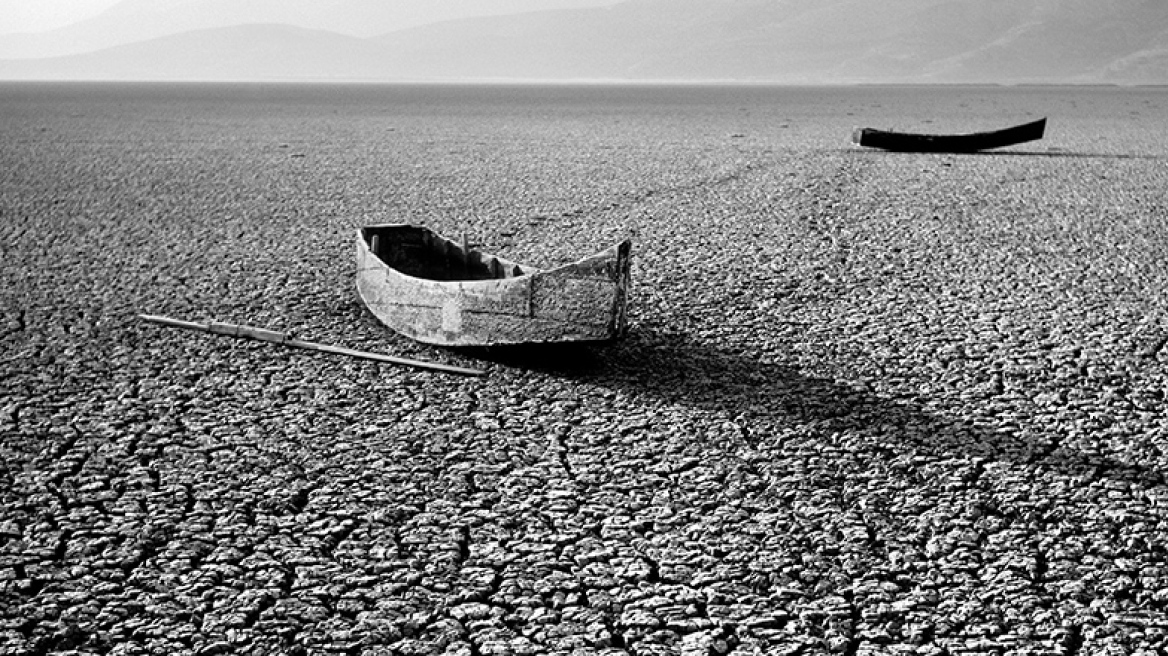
469 298
953 143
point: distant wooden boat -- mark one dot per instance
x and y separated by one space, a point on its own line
437 291
952 143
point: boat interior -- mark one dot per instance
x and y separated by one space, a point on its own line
419 252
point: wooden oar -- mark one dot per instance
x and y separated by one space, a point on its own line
265 335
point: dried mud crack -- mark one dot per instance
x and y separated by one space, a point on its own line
869 403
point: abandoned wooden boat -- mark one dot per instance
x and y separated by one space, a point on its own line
437 291
951 143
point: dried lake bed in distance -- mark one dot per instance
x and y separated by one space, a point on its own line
870 403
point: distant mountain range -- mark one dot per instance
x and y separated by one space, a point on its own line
780 41
131 21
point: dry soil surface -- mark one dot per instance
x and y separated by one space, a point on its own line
870 403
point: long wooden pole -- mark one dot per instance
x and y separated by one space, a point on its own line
265 335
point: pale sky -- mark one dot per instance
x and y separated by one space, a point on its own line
44 15
38 15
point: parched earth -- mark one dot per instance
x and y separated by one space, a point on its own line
869 403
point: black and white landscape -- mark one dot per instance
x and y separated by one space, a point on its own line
868 403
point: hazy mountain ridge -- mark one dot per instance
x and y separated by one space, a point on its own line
242 53
132 21
791 41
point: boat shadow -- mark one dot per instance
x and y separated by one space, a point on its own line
1072 154
564 360
767 397
1069 154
